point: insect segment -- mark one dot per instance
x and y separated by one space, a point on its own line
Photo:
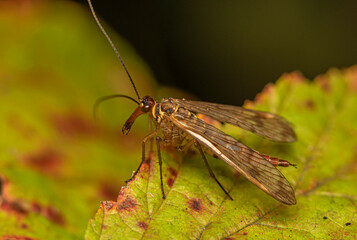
176 118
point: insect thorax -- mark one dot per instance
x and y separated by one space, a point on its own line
171 135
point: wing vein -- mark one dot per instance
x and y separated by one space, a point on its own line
246 161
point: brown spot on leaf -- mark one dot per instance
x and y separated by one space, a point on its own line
244 233
20 208
49 212
172 171
53 215
107 205
121 194
229 238
142 225
195 204
13 207
16 237
23 226
310 104
46 160
170 182
73 123
171 179
128 204
10 206
35 207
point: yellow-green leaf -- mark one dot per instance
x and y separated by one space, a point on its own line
324 115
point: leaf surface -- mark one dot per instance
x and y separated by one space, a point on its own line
324 116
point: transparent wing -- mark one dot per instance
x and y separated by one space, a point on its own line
265 124
246 161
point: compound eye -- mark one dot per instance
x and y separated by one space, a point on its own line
146 104
146 107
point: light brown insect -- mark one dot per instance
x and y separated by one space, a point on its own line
176 122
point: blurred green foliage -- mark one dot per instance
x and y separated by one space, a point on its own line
56 162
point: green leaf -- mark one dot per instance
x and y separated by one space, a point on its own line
324 115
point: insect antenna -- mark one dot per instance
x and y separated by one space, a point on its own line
113 46
105 98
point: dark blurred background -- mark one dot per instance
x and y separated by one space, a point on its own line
226 51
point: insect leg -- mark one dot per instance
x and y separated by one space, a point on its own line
148 137
150 129
277 162
210 170
187 145
158 139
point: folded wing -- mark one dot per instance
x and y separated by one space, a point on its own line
265 124
246 161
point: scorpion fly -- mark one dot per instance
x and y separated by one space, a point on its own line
177 124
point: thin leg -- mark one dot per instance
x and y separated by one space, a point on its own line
148 137
150 129
188 145
160 163
210 170
277 162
